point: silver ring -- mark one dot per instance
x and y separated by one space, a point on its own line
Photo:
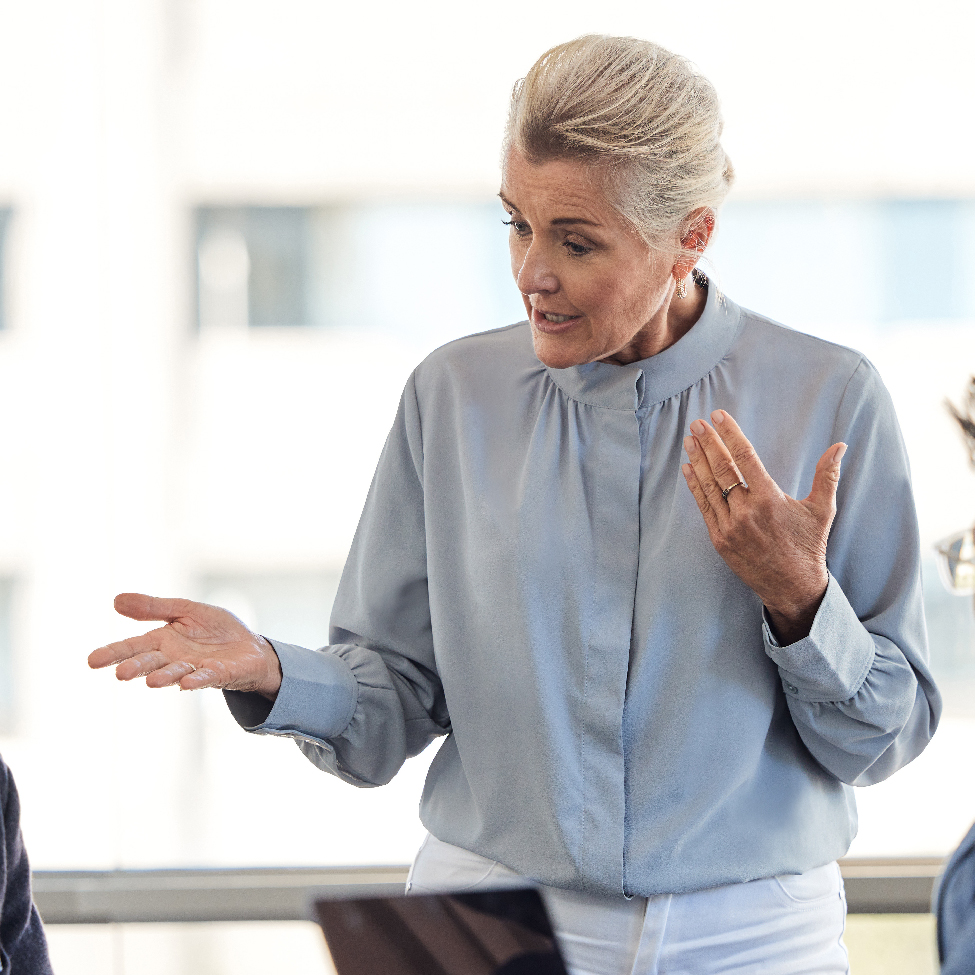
730 488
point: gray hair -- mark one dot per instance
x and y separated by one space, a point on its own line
641 115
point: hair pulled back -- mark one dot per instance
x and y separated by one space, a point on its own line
636 111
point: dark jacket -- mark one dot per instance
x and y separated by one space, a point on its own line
23 947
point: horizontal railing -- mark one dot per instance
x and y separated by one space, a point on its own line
898 885
873 886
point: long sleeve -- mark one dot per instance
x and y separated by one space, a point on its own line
23 946
858 687
372 698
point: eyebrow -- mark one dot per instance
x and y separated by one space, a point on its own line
558 221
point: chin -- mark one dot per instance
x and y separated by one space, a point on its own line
557 355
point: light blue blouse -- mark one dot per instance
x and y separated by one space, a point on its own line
532 578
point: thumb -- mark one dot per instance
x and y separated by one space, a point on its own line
827 479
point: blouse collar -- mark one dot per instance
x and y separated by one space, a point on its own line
652 380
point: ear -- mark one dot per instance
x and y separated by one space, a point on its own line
697 234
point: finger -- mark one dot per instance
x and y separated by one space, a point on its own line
213 674
723 468
137 606
706 479
144 663
826 480
114 653
705 506
171 674
740 450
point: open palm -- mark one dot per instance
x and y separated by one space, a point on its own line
200 646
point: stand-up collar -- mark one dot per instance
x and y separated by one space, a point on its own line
688 360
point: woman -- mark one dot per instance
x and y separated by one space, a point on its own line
657 680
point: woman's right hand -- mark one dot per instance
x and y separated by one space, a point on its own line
200 646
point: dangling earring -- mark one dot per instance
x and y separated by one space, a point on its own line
681 288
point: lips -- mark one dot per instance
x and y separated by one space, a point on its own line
543 321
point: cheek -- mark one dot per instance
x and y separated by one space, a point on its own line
598 294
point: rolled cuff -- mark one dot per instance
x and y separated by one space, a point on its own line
832 662
317 698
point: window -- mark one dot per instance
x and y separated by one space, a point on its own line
252 266
422 271
822 265
927 249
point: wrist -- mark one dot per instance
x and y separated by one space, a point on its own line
271 684
791 615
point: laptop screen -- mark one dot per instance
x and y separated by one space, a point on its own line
502 932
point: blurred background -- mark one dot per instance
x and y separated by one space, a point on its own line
229 229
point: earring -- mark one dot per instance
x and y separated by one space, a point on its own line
681 289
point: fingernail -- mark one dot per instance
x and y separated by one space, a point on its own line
838 453
689 445
698 427
718 417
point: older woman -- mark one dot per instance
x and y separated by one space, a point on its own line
657 680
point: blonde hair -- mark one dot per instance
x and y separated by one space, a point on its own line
640 114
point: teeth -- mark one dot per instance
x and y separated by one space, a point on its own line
557 319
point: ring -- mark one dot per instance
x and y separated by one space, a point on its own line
728 490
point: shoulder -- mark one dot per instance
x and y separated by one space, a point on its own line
483 363
800 365
788 345
499 346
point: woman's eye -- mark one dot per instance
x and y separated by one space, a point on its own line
576 249
518 226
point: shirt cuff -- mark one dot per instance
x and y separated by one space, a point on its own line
317 698
832 662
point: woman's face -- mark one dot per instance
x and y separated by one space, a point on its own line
592 288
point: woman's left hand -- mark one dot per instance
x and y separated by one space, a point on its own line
775 544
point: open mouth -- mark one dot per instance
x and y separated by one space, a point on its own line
552 322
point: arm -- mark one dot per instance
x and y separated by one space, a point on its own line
858 685
843 616
359 707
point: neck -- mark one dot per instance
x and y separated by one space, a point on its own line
680 315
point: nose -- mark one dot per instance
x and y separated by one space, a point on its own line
535 275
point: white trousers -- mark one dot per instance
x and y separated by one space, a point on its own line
787 925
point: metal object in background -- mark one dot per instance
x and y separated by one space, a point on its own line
900 885
143 896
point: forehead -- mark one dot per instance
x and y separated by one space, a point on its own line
557 190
